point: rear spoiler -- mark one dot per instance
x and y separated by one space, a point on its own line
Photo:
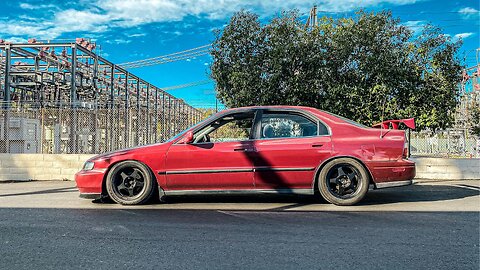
410 123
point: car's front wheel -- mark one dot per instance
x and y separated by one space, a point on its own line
343 181
130 182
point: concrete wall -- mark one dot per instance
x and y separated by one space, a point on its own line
447 168
24 167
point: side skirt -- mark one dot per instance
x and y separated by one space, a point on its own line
393 184
238 192
90 196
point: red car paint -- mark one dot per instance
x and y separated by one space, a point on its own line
280 164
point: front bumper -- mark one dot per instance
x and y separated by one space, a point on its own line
89 183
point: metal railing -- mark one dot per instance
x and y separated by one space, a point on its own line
456 143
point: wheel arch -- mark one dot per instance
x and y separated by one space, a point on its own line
325 162
104 180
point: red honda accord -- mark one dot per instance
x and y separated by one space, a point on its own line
271 149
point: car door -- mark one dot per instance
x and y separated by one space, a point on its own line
219 158
289 147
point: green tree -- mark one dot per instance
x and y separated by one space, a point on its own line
361 67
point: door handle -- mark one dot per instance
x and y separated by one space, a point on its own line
242 149
317 145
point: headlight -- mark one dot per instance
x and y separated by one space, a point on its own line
88 166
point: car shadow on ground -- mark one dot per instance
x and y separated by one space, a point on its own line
244 199
420 193
45 191
414 193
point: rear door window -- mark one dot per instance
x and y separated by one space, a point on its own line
286 125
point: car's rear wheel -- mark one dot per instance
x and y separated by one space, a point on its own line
343 181
130 182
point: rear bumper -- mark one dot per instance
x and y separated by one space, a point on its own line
394 184
392 174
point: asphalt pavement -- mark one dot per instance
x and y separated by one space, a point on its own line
431 225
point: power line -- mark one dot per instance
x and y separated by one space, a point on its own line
167 55
185 85
177 56
168 59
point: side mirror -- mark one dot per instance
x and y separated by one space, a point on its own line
188 138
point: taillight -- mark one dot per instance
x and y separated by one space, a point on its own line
405 150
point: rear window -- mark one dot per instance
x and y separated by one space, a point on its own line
347 120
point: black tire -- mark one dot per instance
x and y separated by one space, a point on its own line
130 182
343 181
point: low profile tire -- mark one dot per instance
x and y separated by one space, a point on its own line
130 183
343 181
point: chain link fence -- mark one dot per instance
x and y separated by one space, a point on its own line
449 143
98 128
79 129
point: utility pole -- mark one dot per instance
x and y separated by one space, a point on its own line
312 19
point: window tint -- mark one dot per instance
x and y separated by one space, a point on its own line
233 127
284 125
347 120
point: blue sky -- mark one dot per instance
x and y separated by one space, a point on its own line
134 30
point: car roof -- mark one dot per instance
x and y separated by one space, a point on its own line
280 107
323 115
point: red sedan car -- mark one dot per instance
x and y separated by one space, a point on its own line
271 149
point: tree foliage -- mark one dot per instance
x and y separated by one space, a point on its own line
363 67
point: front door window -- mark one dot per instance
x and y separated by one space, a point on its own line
230 128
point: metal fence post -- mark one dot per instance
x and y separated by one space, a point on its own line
175 117
111 109
138 114
6 97
184 117
73 100
169 116
127 123
95 136
148 115
156 115
409 143
42 117
164 118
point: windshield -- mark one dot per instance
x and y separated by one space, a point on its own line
185 130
